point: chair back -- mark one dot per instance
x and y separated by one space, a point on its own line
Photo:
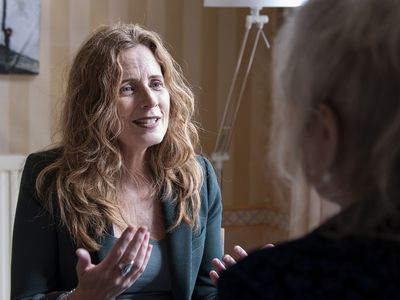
10 174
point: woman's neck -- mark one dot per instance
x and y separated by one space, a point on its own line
134 160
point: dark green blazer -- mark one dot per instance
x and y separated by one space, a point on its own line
43 254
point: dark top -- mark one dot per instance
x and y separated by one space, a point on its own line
316 267
43 254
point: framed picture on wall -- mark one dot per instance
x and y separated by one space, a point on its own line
19 38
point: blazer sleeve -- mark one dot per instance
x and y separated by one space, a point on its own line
211 212
34 246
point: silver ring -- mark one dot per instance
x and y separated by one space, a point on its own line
126 268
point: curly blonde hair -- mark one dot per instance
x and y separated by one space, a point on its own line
88 171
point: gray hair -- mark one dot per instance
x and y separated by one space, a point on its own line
346 54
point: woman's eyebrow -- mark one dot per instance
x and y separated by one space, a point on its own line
129 78
134 79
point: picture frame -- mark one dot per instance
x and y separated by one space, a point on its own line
20 36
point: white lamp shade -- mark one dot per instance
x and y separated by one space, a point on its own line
253 3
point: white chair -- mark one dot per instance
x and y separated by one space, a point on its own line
10 174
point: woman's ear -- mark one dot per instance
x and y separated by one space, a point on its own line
320 144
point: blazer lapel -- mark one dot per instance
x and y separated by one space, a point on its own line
180 253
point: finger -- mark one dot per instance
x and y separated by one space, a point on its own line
218 265
228 260
132 247
139 272
147 257
136 251
142 251
148 254
239 253
120 246
268 246
214 277
84 261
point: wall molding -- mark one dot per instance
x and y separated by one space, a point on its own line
255 216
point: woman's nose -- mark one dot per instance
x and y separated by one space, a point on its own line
149 99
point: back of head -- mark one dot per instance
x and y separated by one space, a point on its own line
345 54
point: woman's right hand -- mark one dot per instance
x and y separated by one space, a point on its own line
106 280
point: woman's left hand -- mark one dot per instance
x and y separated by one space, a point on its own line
228 260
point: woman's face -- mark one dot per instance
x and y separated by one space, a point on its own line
144 101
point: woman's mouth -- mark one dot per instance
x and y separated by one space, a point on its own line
148 122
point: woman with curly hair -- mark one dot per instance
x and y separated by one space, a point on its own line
122 207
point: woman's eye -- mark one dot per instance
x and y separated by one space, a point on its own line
157 84
127 90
